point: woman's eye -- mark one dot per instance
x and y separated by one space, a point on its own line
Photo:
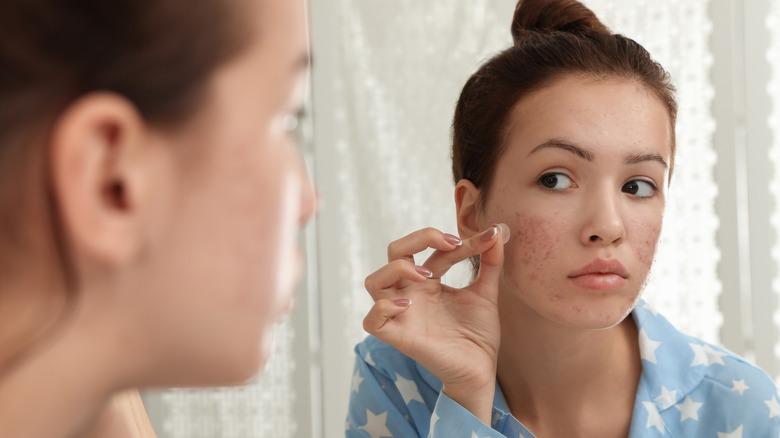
555 181
639 188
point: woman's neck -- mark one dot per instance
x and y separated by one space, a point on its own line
62 387
560 381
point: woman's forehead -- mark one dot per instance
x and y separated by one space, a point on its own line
591 114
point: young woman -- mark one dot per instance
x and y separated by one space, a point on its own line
563 147
150 200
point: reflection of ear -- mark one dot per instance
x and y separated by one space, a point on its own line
96 176
466 198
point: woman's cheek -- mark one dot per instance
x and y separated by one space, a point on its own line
647 241
534 244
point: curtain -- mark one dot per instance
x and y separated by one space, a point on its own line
773 120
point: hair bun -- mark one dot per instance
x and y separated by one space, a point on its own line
553 15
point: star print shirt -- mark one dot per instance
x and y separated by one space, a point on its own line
688 388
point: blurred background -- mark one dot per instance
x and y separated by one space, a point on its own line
385 79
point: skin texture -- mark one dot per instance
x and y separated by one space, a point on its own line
558 232
184 240
582 179
581 378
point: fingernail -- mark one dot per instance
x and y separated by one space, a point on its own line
488 234
403 302
452 240
425 272
504 232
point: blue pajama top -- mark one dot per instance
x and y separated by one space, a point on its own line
688 388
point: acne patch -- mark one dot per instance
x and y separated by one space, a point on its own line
504 228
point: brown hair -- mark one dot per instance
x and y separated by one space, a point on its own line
156 53
552 39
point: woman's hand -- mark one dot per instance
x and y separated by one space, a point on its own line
454 333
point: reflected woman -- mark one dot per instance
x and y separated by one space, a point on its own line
566 142
150 200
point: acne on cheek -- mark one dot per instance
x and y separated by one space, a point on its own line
647 242
534 243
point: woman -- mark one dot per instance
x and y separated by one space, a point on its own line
150 197
566 140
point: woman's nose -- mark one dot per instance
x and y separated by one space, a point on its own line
603 224
309 198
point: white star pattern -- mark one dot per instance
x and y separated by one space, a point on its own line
714 356
699 355
408 389
376 425
653 417
647 347
667 397
356 381
739 386
736 434
369 360
706 355
702 387
774 407
688 409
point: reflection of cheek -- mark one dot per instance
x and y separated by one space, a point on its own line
532 246
647 243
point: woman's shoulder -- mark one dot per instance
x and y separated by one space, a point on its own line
694 382
735 392
670 352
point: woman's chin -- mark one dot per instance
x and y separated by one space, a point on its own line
593 314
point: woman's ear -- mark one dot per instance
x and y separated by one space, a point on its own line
97 154
466 203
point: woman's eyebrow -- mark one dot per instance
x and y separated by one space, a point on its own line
587 155
566 146
639 158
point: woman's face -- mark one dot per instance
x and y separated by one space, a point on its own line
582 185
224 260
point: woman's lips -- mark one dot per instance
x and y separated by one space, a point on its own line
599 281
600 274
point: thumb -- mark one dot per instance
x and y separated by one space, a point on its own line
491 262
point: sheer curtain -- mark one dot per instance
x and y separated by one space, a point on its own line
773 121
386 78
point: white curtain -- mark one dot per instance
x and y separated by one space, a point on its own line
387 74
773 120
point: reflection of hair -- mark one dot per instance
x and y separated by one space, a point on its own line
552 38
156 53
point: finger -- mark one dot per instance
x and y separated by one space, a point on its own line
390 274
379 320
440 261
491 263
406 247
